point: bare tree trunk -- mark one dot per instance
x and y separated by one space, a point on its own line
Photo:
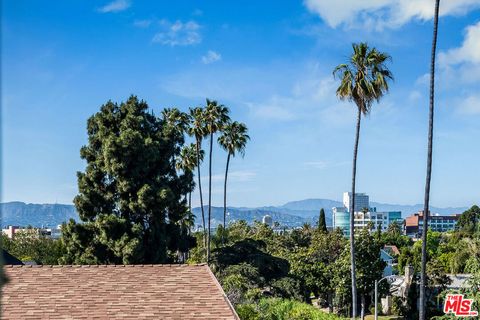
201 196
352 220
209 197
423 276
225 198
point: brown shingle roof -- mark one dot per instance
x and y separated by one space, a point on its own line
114 292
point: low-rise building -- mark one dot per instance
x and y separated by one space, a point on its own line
436 222
54 233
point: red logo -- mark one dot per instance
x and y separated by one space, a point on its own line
459 306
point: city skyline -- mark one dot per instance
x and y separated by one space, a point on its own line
271 65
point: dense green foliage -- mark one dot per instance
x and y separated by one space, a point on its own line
279 309
30 246
135 193
130 194
300 264
311 265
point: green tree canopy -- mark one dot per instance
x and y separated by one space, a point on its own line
468 221
130 194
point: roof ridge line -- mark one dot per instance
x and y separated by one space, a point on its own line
164 265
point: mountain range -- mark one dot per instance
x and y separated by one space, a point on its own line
291 214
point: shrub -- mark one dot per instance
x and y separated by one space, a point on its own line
281 309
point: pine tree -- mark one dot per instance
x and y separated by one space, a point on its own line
322 224
130 194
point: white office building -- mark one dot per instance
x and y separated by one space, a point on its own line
361 201
362 218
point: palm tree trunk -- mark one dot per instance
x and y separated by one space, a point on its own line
209 197
423 276
352 220
201 196
362 313
225 194
190 201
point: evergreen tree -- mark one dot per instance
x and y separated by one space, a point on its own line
322 224
130 194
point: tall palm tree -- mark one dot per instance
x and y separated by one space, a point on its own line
423 276
233 140
364 80
197 129
176 124
187 162
215 117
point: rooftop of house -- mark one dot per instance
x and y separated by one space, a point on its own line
392 249
114 292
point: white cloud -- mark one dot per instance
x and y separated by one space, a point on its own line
384 13
115 6
469 105
468 52
459 67
211 57
178 33
142 23
276 108
312 96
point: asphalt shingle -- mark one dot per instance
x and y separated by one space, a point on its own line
114 292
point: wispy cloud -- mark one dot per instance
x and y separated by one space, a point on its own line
234 176
178 33
273 109
211 57
469 105
321 165
380 14
115 6
197 12
142 23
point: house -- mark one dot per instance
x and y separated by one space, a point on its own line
389 260
114 292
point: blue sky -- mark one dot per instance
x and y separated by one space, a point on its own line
270 62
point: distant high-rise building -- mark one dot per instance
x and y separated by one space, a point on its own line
267 220
361 201
363 215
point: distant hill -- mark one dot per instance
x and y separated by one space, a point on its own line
251 214
409 209
294 213
37 215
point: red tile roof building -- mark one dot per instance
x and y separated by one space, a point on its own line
414 223
114 292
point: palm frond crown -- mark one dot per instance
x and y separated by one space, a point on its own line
234 138
365 78
215 116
